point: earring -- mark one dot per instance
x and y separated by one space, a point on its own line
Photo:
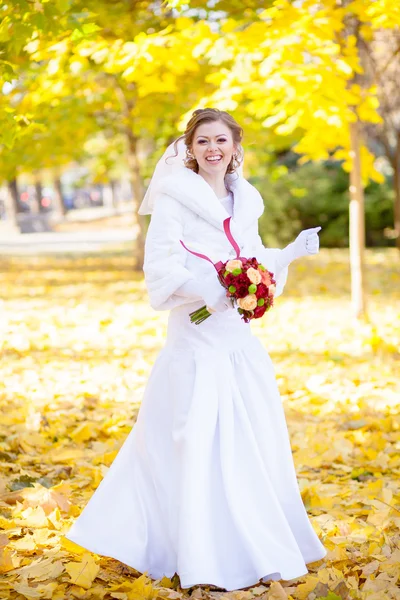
189 157
234 162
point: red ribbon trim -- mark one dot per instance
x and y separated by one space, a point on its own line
230 237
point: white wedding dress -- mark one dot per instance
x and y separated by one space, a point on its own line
205 485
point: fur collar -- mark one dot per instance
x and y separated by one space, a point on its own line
191 190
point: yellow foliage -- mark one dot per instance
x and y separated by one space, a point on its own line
295 67
340 390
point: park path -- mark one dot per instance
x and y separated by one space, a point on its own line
60 242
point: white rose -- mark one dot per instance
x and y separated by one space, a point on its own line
254 275
249 302
231 265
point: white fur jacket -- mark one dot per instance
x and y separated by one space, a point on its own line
186 208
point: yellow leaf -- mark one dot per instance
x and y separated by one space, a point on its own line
82 433
83 573
277 592
142 589
71 546
25 544
40 591
166 583
8 560
41 569
304 589
33 517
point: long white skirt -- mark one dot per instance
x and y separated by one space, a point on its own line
204 485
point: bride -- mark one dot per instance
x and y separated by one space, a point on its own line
205 485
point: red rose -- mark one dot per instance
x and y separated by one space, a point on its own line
262 291
241 291
259 311
230 279
242 279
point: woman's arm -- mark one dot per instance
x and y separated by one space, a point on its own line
169 283
278 260
164 256
270 258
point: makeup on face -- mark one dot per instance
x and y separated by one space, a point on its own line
213 145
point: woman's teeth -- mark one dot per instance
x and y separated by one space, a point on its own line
214 158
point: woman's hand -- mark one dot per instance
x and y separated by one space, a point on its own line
307 242
214 294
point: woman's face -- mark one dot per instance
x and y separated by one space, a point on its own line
213 147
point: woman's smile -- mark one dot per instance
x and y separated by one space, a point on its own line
216 158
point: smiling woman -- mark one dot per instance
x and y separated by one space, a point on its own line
205 486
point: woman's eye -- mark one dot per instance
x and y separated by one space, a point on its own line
220 140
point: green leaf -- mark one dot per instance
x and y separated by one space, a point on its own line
63 5
22 482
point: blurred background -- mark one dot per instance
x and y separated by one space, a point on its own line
92 92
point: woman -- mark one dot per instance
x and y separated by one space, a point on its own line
205 486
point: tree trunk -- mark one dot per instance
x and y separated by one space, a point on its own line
60 207
110 196
12 204
114 197
357 225
127 96
39 193
396 183
137 187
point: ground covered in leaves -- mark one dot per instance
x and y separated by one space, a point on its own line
78 340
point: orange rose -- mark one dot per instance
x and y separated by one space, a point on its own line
266 278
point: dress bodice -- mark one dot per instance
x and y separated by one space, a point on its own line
227 203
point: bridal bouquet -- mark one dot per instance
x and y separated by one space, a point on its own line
248 284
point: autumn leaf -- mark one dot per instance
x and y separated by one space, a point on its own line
277 592
84 572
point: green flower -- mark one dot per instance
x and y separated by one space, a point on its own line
236 271
262 267
260 302
252 288
232 289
